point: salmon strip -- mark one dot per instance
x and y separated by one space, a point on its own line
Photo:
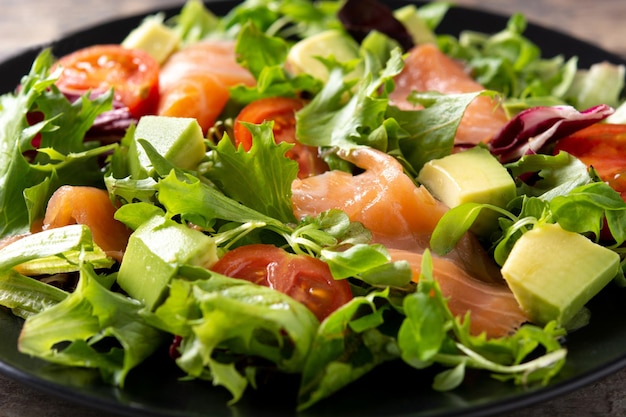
383 198
92 207
428 69
194 81
402 216
493 308
200 96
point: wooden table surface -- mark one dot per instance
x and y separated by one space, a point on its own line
26 23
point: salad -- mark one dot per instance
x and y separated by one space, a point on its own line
314 189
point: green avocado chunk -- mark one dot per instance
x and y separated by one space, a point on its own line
178 139
154 253
153 37
303 55
471 176
553 273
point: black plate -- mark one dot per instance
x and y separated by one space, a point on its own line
394 390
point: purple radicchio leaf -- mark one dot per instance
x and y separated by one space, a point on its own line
532 129
360 17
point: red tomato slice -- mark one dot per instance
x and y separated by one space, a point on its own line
282 110
133 74
602 146
304 278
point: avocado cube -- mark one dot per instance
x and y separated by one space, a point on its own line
553 272
153 37
475 176
154 253
302 57
178 139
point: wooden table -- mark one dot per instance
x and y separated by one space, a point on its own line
30 22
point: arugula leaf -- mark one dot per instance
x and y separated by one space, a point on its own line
429 133
259 178
453 225
348 344
431 334
556 175
330 120
586 207
370 263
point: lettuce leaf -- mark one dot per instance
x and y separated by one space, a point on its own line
331 120
62 156
221 319
428 133
265 57
245 177
26 296
348 345
92 327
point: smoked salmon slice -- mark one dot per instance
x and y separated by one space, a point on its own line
426 69
383 198
194 81
402 216
92 207
199 95
492 306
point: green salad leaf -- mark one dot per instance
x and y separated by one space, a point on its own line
331 120
348 345
92 327
62 156
243 175
220 319
265 57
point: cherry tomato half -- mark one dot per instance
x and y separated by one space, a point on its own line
303 278
133 74
602 146
282 110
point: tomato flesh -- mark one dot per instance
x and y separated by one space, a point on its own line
133 74
282 110
304 278
602 146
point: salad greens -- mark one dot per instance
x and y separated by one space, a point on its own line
229 330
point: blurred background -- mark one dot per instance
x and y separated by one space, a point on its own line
25 23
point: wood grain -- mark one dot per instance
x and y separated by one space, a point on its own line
25 23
